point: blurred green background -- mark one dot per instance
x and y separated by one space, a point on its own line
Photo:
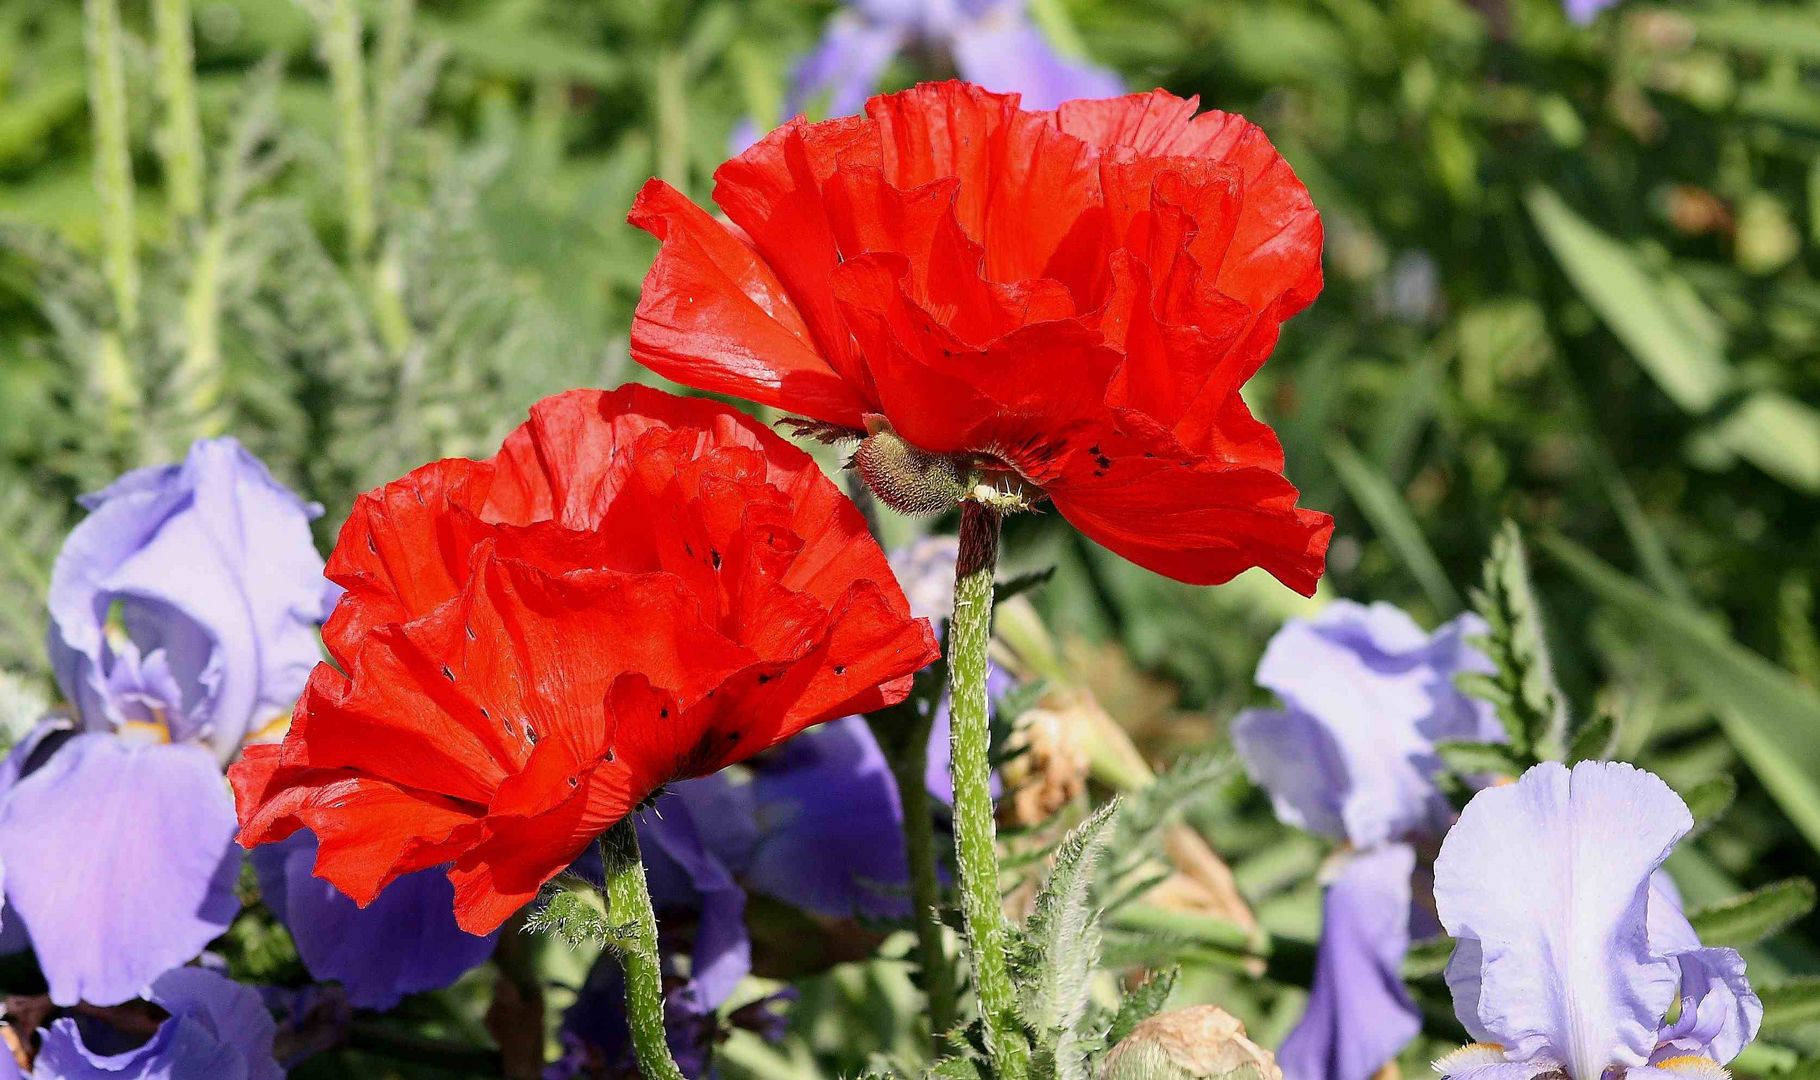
1571 280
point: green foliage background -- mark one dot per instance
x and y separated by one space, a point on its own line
1571 282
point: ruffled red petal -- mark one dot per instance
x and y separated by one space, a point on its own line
1035 289
616 536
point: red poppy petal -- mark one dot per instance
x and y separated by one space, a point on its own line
714 316
1199 521
1025 184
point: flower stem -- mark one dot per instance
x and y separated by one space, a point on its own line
182 136
629 909
909 766
975 835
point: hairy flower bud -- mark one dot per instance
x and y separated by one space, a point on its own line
906 479
1047 766
1204 1042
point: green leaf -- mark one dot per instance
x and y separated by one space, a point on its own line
576 916
1708 800
1594 740
1019 584
1791 1004
1528 699
1676 350
1382 505
1468 758
959 1068
1753 916
1053 960
1152 807
1777 434
1769 717
1142 1004
1427 959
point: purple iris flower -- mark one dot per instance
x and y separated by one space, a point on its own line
404 942
1571 949
989 42
184 613
1585 11
1351 755
216 1029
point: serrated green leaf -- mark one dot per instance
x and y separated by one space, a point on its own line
1468 758
1594 740
1753 916
959 1068
1053 961
1142 1003
1528 700
1791 1004
1149 809
1768 716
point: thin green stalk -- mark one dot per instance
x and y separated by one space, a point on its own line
975 833
671 106
200 377
347 74
629 909
181 140
909 765
113 160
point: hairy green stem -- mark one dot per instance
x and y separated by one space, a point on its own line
113 160
181 141
347 74
629 909
909 766
975 833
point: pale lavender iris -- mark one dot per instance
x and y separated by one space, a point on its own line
1585 11
404 942
1571 951
216 1029
990 42
1351 755
184 612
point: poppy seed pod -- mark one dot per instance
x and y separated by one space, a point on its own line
1204 1042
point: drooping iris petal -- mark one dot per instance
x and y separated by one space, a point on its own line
120 860
218 589
404 942
217 1029
1367 695
596 1041
1359 1013
831 837
685 875
1549 878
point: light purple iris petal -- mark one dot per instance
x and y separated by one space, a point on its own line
1008 54
217 1029
1585 11
1549 878
925 568
1503 1070
1366 696
1359 1013
121 863
831 837
1720 1014
684 873
404 942
212 564
845 67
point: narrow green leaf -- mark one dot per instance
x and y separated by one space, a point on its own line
1791 1004
1142 1004
1708 800
1769 717
1054 960
1019 584
1676 351
1385 509
1426 959
1753 916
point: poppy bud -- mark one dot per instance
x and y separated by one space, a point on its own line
1204 1042
906 479
1047 767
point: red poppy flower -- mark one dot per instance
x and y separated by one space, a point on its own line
636 589
1069 298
